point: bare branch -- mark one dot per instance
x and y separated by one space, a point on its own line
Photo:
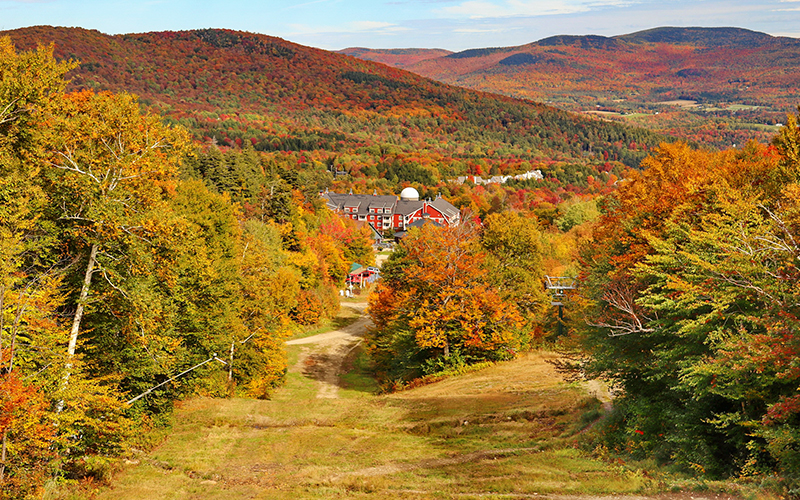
782 224
108 280
633 321
746 284
8 114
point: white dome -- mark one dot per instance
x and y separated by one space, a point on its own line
409 194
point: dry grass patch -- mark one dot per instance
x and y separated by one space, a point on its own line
508 429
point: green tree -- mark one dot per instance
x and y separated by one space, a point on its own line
109 172
514 260
694 279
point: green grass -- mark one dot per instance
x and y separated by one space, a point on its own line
760 126
360 298
508 430
358 377
480 433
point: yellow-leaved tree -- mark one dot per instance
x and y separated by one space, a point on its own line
110 171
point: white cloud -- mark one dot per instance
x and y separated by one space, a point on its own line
373 27
351 27
476 9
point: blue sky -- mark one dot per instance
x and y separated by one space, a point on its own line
448 24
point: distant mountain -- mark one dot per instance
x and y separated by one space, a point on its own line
706 37
732 75
237 88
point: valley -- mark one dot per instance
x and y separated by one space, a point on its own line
164 234
742 83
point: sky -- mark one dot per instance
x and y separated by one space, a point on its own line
447 24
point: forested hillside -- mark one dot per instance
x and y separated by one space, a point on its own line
718 86
238 89
398 58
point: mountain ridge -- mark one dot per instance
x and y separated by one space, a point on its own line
710 36
685 81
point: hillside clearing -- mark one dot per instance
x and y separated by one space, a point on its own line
502 432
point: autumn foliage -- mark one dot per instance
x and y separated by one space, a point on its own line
300 106
129 254
124 264
693 273
27 438
714 86
444 301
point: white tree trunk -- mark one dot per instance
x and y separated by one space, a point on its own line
76 320
3 457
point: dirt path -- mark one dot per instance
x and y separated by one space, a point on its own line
323 356
601 391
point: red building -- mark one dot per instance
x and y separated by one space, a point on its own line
389 212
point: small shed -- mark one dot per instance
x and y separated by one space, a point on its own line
362 276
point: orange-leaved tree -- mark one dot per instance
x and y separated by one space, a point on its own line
436 306
26 451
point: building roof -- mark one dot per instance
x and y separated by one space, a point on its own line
363 205
407 207
447 208
361 202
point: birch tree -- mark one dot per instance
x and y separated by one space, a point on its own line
109 172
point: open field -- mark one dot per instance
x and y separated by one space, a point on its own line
683 103
507 431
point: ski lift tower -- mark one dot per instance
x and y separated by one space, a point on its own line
558 286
